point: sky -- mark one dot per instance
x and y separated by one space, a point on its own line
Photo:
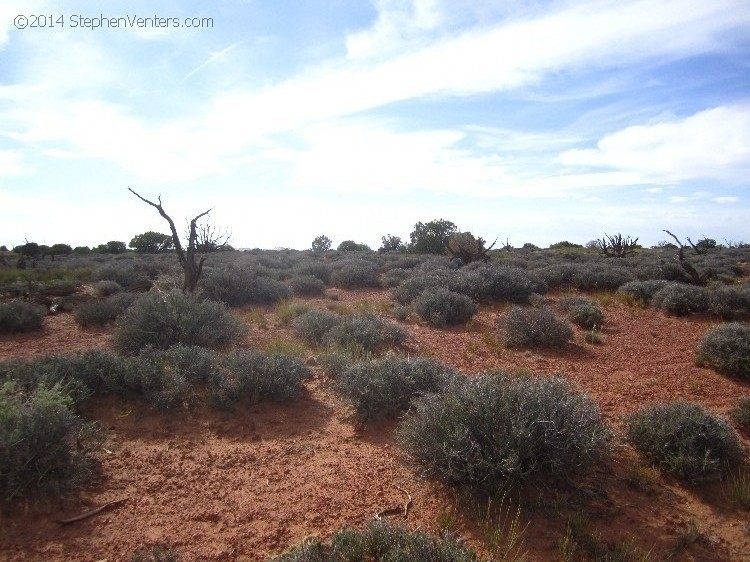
522 120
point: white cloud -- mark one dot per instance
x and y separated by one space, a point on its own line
726 199
714 143
11 163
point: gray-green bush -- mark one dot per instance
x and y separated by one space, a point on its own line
239 287
354 273
385 387
726 348
444 308
98 312
20 316
306 285
486 432
366 332
643 290
164 320
583 312
534 327
685 440
680 299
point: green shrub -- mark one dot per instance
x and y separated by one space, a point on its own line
680 299
380 541
534 327
508 284
315 268
385 387
643 290
726 301
444 308
312 326
685 440
155 554
487 432
106 288
98 312
556 276
740 413
125 273
601 276
726 348
306 285
257 376
164 320
394 277
409 290
240 287
20 316
354 273
583 312
364 331
43 444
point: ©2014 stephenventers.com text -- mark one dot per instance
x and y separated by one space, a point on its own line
79 21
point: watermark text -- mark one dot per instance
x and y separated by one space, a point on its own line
80 21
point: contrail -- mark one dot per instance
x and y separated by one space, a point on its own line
214 56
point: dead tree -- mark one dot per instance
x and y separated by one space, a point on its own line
191 269
616 246
687 267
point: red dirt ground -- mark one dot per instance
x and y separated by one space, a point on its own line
248 484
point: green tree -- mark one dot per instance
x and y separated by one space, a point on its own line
59 250
111 247
321 244
151 242
352 246
29 250
391 244
432 237
81 251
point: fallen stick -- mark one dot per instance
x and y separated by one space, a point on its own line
88 514
396 509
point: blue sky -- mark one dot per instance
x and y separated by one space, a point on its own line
533 121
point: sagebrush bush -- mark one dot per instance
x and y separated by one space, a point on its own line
312 326
164 320
740 412
680 299
306 285
239 287
380 540
44 445
556 276
354 273
106 288
583 312
385 387
728 301
98 312
486 432
125 273
20 316
508 284
684 439
394 277
643 290
409 290
366 332
726 348
534 327
316 268
444 308
601 276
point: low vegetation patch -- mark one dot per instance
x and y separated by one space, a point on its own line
99 312
355 273
385 387
444 308
534 327
379 541
642 291
164 320
680 299
306 285
366 332
684 439
20 316
239 287
583 312
726 348
740 413
487 432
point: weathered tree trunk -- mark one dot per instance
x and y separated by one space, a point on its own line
191 269
686 266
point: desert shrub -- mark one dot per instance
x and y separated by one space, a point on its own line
443 308
680 299
354 273
312 326
643 290
106 288
336 362
306 285
380 540
727 301
315 268
255 376
20 316
534 327
385 387
601 276
558 275
583 312
394 277
486 432
240 287
726 348
288 310
364 331
740 412
98 312
509 284
162 321
44 445
125 273
684 439
155 553
409 290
